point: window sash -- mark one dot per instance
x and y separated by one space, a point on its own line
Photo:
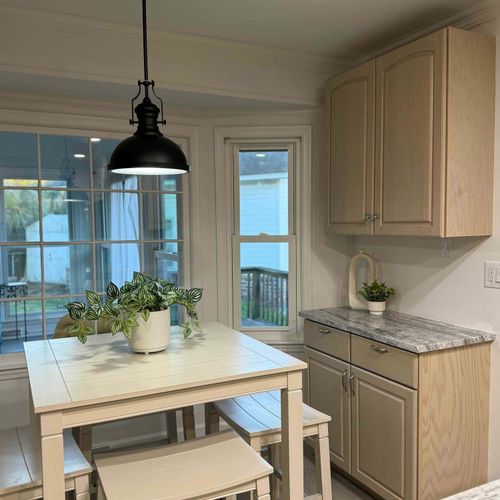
233 149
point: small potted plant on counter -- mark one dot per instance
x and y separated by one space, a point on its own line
376 294
139 309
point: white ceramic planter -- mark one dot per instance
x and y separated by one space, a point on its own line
152 335
376 308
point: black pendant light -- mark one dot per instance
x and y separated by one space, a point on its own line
147 152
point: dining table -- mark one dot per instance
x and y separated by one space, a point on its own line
77 385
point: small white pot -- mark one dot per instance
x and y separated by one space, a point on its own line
376 308
152 335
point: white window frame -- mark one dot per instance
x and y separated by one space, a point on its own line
228 280
236 146
184 140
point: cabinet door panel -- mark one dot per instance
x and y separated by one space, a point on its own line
384 429
410 145
327 392
350 102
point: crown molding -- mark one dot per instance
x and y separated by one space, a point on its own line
251 53
482 12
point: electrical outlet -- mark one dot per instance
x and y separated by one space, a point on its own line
492 274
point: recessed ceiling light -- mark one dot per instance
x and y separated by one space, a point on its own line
79 155
95 139
260 155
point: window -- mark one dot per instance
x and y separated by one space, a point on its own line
68 225
264 242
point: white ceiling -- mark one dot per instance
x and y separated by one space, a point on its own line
336 28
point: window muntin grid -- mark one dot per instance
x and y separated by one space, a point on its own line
70 220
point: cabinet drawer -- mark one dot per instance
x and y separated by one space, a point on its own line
327 339
388 361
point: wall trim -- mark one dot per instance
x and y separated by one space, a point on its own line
252 53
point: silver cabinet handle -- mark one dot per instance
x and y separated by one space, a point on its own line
352 382
368 216
324 331
375 216
344 380
380 350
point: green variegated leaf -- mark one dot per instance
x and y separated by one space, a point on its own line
92 314
145 314
194 295
74 329
92 298
112 291
116 326
75 310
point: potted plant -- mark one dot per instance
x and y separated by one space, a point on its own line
139 309
376 294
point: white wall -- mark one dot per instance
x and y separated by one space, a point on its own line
450 288
329 255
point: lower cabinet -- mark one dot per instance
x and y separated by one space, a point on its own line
384 433
328 392
406 426
373 427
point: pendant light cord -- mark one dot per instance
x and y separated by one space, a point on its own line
145 45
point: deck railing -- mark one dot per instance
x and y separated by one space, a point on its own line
264 297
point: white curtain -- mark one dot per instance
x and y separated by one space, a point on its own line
124 225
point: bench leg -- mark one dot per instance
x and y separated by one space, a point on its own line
171 420
274 453
82 489
83 438
188 422
262 491
322 459
211 419
100 492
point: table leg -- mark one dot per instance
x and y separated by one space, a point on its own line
52 448
292 455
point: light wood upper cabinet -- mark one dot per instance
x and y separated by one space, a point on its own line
410 153
433 149
384 434
350 101
328 391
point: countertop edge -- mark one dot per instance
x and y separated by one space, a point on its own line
341 324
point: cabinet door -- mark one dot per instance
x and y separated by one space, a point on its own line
384 430
328 392
350 111
410 138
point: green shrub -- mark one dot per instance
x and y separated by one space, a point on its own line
376 291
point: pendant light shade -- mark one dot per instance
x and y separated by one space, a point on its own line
147 152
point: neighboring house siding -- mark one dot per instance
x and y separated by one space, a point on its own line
261 211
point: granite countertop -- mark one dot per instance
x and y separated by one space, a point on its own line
410 333
485 491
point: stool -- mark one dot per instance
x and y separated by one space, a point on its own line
21 470
257 419
208 468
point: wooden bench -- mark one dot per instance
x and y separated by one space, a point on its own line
257 419
21 471
208 468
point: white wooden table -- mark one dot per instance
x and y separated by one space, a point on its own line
76 385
